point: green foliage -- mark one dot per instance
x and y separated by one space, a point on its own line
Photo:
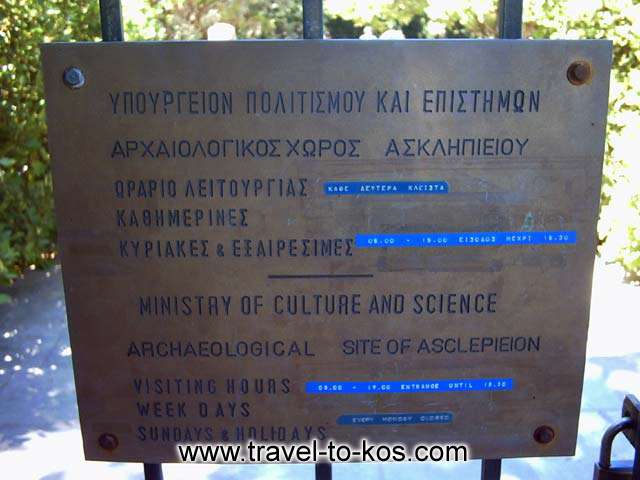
423 19
190 19
409 16
338 27
616 20
27 227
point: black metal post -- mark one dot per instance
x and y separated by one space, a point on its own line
635 475
510 19
323 471
112 31
491 469
111 21
153 471
509 26
312 19
313 29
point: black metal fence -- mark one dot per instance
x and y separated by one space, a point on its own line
509 27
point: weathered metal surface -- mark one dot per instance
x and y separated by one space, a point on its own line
187 221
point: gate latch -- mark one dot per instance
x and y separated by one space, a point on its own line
605 469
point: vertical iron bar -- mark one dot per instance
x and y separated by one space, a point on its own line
509 26
510 19
111 21
153 471
313 29
112 31
491 469
635 475
312 19
323 471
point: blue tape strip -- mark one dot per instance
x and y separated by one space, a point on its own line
409 386
395 418
463 239
386 188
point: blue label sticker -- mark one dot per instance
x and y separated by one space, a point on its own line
386 188
410 386
463 239
395 418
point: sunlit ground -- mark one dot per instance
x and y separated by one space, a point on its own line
40 439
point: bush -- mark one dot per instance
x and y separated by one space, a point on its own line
27 224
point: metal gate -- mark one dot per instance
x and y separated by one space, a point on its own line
509 27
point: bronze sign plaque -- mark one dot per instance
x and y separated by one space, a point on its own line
284 241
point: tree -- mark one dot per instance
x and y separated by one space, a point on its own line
27 226
190 19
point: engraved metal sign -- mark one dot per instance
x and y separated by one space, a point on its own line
292 240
